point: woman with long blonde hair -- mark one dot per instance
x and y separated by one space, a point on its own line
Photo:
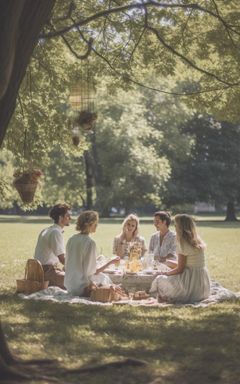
188 280
128 236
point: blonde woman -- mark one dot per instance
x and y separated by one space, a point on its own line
81 254
128 236
188 281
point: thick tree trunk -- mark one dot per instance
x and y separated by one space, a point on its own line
21 22
7 371
5 353
231 214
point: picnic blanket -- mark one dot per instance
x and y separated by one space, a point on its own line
58 295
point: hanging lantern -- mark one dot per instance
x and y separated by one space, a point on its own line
75 97
82 101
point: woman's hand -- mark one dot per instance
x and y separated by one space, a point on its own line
115 260
162 273
112 261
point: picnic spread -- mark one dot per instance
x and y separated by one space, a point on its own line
128 288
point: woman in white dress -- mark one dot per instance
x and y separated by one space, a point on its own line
129 236
188 281
81 254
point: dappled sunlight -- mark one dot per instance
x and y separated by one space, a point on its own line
175 340
180 344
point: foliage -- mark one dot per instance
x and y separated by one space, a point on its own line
210 169
6 171
41 118
65 179
29 175
125 140
215 159
182 39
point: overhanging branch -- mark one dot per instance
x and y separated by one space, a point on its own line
124 76
186 60
129 7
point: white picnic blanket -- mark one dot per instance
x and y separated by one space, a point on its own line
58 295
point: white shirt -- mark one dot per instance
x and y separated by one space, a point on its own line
50 245
168 245
80 264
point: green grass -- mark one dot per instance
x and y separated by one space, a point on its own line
180 345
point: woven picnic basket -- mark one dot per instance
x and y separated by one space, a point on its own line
104 294
34 278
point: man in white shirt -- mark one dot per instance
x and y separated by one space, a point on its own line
50 249
163 243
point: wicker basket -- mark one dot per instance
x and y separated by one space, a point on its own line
34 278
104 294
26 191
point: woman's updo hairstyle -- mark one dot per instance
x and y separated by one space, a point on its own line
86 219
164 216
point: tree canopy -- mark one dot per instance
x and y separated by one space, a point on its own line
191 41
198 43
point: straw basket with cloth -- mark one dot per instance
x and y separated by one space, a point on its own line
34 278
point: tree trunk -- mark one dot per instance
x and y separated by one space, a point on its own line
5 353
21 22
231 214
7 372
89 172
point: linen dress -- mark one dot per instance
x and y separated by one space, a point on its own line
80 265
192 285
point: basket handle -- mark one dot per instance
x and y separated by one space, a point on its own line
26 270
39 270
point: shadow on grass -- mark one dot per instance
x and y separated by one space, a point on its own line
181 345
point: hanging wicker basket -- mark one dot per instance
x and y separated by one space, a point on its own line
86 119
26 184
75 140
26 191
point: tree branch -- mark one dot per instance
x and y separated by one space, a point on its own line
224 24
186 60
80 57
126 77
106 12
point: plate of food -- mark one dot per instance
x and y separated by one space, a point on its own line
148 271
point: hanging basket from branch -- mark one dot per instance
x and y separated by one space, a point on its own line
26 183
75 140
86 119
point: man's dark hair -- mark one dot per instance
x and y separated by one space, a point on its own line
58 210
164 216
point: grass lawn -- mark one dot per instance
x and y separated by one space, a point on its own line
180 345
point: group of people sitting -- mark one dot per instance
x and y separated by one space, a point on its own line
186 279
